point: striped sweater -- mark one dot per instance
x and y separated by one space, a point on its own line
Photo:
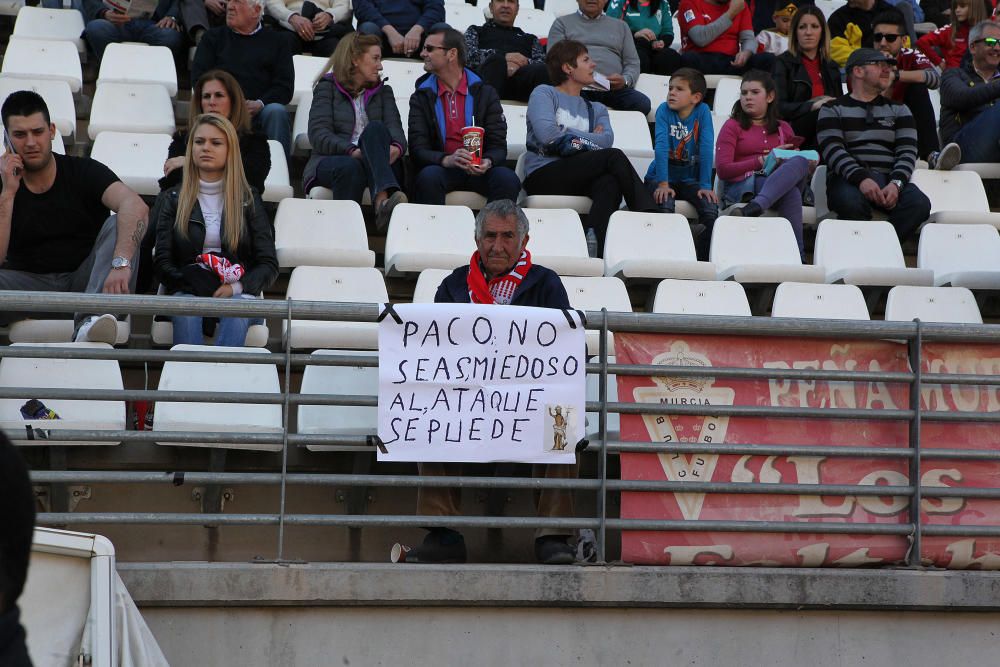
858 138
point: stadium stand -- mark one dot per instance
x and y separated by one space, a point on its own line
119 66
338 380
58 98
321 233
51 24
43 59
595 294
127 107
956 197
558 242
328 283
136 158
932 304
307 69
277 185
427 284
428 237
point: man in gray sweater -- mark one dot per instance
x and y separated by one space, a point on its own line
609 42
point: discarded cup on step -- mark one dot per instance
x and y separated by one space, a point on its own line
399 552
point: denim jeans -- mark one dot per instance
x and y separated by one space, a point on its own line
274 122
434 182
980 137
100 32
911 210
348 177
623 99
707 211
231 332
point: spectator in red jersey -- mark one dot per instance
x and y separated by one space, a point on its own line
913 76
717 38
945 47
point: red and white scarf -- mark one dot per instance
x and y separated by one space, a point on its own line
501 289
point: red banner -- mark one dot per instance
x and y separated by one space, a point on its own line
804 549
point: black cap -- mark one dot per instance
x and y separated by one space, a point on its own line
860 57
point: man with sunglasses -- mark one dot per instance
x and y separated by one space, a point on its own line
970 114
869 144
914 74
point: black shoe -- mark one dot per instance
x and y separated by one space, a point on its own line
751 210
808 196
554 550
441 545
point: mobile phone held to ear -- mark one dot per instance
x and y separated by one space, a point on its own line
9 147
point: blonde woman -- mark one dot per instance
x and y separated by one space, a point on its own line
354 128
213 237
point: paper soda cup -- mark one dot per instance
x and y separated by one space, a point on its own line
398 553
472 140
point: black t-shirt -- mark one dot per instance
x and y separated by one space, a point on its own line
53 232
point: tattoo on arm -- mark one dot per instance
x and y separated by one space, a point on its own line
140 231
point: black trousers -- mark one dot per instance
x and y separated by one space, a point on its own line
662 62
605 176
517 87
918 100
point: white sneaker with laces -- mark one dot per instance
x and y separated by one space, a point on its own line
103 329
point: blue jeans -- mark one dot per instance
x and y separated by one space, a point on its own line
980 137
273 122
623 99
348 177
434 182
707 211
231 332
99 33
911 210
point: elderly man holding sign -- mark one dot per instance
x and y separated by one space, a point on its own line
474 383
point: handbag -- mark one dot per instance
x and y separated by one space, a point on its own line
568 144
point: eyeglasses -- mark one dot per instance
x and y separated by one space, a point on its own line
990 42
430 48
888 37
878 63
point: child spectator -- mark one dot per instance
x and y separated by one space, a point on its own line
746 138
682 168
775 40
948 45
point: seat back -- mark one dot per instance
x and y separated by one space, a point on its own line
338 380
727 93
631 133
43 59
932 304
307 69
846 244
647 236
701 297
427 284
136 158
316 232
815 301
954 248
737 241
952 190
427 234
133 63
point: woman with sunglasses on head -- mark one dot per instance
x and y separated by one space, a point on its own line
805 77
213 237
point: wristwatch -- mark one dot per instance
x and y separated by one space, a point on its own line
120 262
898 183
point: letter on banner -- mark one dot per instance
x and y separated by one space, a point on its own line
481 383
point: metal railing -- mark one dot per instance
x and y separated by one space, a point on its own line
914 334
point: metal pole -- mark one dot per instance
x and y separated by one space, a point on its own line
602 455
284 439
916 359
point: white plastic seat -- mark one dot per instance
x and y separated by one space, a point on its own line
467 198
428 237
43 59
579 204
133 63
652 246
126 107
309 232
594 394
11 7
961 255
338 419
557 241
137 159
825 302
957 197
533 21
822 209
828 7
82 414
427 284
334 284
307 69
759 250
727 93
57 95
213 417
402 74
517 130
51 24
594 294
461 16
986 170
56 331
300 125
701 297
277 185
631 133
865 253
932 304
655 87
563 7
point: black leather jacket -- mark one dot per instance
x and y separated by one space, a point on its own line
794 87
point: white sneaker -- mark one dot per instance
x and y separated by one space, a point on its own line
103 329
949 158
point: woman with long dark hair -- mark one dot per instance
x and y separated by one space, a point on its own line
213 237
805 77
741 156
652 30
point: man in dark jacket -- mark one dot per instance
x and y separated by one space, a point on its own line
18 503
448 100
500 272
261 60
106 26
505 57
402 24
970 114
